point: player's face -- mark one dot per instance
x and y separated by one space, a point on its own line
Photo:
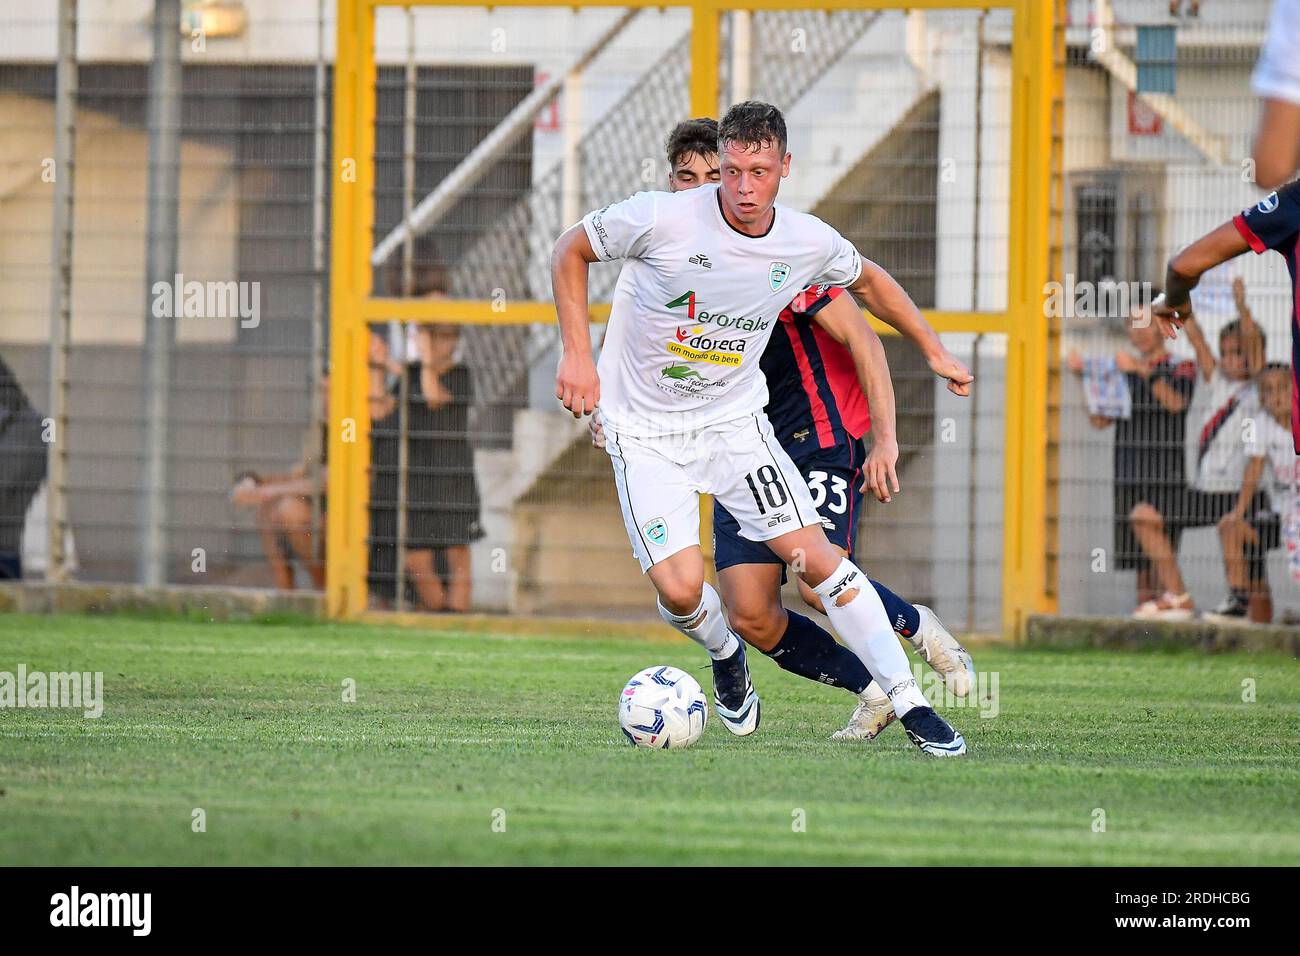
694 169
750 180
1232 358
1275 395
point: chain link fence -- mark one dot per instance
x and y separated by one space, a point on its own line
482 495
234 322
1159 121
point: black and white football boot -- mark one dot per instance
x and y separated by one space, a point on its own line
734 697
934 735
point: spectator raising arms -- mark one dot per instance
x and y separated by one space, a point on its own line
1224 465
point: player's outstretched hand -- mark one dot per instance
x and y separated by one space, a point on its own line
1167 318
878 474
577 385
596 426
958 375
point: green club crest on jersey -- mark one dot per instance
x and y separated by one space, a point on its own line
777 274
656 530
680 373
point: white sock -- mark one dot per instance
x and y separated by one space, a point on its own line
862 624
710 630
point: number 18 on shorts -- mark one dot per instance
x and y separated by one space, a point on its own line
739 462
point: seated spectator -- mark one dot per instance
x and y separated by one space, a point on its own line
22 468
1148 459
1223 481
283 514
1246 543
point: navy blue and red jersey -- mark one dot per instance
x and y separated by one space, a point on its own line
1274 223
814 398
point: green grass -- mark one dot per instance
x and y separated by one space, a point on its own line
247 722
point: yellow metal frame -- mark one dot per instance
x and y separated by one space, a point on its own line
1028 573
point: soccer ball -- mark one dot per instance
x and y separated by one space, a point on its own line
662 707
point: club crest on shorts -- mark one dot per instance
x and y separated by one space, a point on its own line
777 273
656 530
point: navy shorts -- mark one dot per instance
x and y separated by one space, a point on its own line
834 476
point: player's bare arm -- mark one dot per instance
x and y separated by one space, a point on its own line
576 384
1173 308
845 323
1277 143
887 300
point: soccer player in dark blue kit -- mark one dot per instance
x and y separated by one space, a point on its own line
818 362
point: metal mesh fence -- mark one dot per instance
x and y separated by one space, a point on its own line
900 130
234 323
919 185
1146 173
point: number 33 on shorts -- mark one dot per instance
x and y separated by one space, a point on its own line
838 492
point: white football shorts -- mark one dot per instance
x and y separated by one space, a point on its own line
739 462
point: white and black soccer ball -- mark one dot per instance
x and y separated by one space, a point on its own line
662 707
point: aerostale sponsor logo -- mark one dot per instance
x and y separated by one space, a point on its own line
700 316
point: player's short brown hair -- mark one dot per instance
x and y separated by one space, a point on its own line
692 137
753 125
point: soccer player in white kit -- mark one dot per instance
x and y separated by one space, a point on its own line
707 271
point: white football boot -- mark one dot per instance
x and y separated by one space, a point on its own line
943 652
872 715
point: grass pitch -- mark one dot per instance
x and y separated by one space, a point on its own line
477 749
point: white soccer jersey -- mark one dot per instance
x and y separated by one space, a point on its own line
1277 74
696 303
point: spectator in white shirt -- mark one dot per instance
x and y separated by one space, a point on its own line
1246 544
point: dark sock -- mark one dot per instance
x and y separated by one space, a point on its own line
903 617
809 651
1241 597
11 566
